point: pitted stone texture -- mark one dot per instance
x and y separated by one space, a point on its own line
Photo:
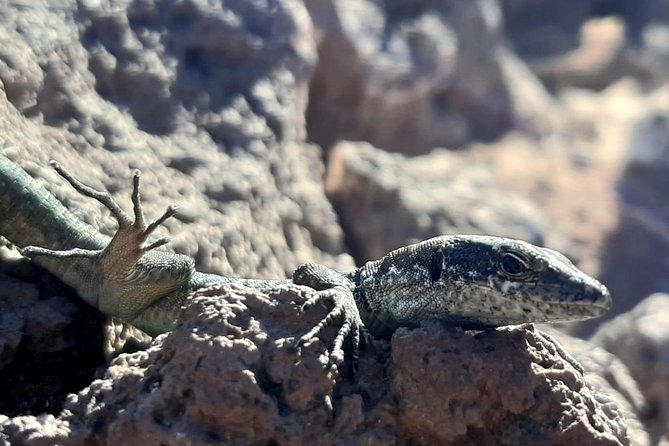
229 373
500 387
206 99
216 124
607 374
640 338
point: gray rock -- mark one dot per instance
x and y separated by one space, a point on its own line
387 200
648 156
410 76
610 376
207 100
636 262
640 338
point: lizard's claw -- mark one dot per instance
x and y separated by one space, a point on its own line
345 310
131 228
131 275
127 246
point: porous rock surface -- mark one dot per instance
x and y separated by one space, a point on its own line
640 338
210 101
610 376
216 125
229 373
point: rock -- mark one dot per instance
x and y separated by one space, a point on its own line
607 374
445 62
489 395
640 339
229 373
647 166
216 124
387 200
599 60
640 244
219 141
543 28
43 327
210 100
590 44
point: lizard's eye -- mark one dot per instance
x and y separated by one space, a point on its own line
513 264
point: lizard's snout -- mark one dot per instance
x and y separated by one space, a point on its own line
601 297
606 300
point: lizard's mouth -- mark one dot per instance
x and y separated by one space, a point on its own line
537 303
577 306
590 294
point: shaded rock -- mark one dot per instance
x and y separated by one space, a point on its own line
208 100
640 339
412 76
590 44
599 59
543 28
647 166
640 244
229 373
653 55
49 339
387 200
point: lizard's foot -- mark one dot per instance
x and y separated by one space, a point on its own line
333 286
127 245
131 274
345 310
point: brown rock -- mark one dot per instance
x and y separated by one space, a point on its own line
216 124
229 374
455 388
640 339
387 200
410 78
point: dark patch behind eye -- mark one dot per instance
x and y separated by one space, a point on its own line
436 264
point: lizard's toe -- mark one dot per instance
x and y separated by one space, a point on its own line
344 310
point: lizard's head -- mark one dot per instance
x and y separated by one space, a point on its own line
482 281
498 281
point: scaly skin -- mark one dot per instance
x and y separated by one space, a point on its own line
119 276
475 282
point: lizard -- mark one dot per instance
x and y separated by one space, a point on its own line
476 282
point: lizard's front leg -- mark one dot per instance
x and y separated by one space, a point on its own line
338 289
130 274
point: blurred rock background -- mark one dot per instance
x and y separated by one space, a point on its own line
337 130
